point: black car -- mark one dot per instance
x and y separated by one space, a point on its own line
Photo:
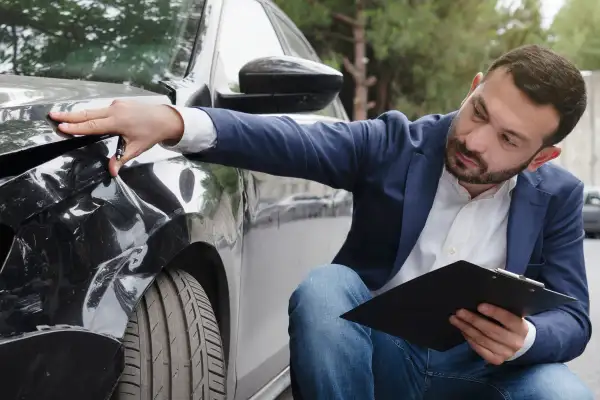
172 280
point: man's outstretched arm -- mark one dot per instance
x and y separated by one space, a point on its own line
336 154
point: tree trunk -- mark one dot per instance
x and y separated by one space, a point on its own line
361 92
15 46
358 68
383 91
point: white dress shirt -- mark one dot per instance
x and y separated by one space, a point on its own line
453 231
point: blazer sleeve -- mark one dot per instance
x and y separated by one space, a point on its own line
563 334
338 154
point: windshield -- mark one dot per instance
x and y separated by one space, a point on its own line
137 42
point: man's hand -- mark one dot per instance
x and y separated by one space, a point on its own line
141 126
494 343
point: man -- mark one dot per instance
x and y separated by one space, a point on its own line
473 185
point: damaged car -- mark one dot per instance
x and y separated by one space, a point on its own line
172 280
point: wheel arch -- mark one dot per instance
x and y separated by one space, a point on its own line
185 242
204 263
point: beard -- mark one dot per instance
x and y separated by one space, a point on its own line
480 173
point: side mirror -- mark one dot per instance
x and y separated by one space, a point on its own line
283 84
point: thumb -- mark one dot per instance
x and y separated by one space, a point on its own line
115 165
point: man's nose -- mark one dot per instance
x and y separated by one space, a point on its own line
478 140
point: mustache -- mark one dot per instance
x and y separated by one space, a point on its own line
462 148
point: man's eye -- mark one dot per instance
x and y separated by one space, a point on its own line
506 139
477 113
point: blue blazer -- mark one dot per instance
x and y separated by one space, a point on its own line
392 167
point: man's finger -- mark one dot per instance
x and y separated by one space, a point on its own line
79 116
91 127
511 321
114 166
489 328
131 152
486 354
480 338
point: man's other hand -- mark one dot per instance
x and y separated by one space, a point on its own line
494 343
141 126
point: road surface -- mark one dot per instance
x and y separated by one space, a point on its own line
588 365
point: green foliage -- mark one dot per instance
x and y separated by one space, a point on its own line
575 33
432 50
424 53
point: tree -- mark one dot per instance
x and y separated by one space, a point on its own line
519 26
427 51
333 24
423 53
575 33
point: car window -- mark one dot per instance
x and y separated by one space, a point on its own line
138 43
246 33
592 197
298 46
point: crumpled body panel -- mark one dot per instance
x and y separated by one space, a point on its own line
86 246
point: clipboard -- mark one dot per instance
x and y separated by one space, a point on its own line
418 311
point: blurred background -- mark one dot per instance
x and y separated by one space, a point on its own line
419 56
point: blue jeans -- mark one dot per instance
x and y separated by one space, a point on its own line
332 358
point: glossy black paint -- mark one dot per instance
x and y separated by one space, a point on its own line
79 248
87 245
59 363
289 75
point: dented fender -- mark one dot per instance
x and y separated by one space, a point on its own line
78 249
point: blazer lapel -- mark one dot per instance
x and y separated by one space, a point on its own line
525 221
421 186
422 178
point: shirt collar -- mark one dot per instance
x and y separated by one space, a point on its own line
503 189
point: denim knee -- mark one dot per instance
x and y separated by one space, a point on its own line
325 294
555 382
330 357
329 288
543 381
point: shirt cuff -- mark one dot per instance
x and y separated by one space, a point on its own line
199 132
529 339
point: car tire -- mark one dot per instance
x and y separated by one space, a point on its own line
173 348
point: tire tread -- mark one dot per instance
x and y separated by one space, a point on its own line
173 348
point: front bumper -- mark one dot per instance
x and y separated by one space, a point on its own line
59 363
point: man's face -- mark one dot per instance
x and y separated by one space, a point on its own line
498 132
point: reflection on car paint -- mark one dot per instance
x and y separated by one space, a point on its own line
87 245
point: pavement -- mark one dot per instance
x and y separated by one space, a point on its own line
587 366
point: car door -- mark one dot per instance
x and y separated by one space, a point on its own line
289 227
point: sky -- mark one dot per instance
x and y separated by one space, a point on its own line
549 10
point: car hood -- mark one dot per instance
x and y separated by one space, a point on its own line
26 101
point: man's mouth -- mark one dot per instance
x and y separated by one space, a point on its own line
466 160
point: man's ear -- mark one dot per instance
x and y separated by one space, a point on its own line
547 154
474 84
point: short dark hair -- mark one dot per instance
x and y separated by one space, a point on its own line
547 78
